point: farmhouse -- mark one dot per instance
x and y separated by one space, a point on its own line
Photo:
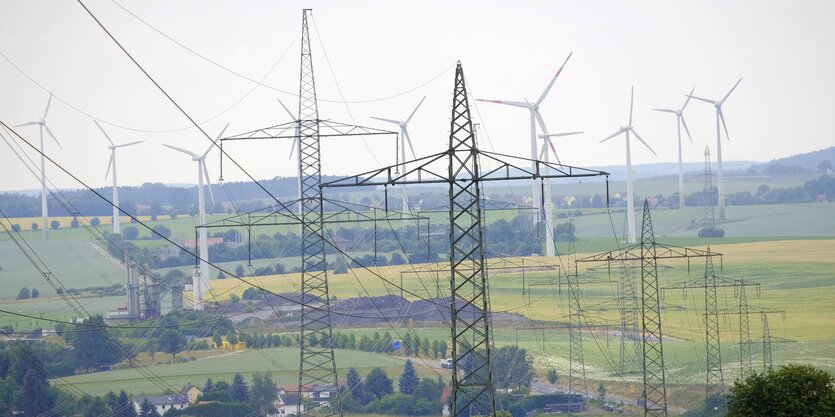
162 403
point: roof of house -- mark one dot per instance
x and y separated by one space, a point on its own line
290 399
162 400
190 386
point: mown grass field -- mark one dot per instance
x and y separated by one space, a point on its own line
283 363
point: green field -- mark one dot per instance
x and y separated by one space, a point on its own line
282 362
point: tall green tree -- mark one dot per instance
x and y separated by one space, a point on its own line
146 409
263 391
793 390
172 341
408 379
95 408
239 390
125 405
512 368
37 396
378 383
93 345
356 387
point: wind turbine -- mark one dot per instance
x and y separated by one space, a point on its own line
536 119
41 126
113 147
294 145
679 123
630 203
200 282
404 139
720 118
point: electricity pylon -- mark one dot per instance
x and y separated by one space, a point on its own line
576 365
460 168
648 251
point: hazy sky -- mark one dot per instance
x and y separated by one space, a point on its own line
377 49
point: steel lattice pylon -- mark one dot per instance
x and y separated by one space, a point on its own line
576 365
458 167
471 376
767 361
707 194
630 348
745 367
655 390
714 383
316 364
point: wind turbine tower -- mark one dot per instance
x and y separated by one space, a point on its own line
404 139
200 281
679 123
536 119
630 203
116 226
720 119
41 126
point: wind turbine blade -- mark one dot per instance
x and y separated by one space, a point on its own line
540 122
49 131
214 142
397 122
48 102
415 110
179 149
683 123
551 84
554 150
409 141
666 110
109 163
208 181
725 126
613 135
128 144
557 135
642 141
689 96
105 133
26 124
295 143
292 117
731 91
505 102
631 102
702 99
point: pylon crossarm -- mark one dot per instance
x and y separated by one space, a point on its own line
327 128
430 169
342 212
633 253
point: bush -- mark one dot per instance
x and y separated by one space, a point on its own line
252 293
161 231
55 224
95 221
34 226
23 294
35 293
130 233
711 231
74 223
16 228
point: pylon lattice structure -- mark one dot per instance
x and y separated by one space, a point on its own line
629 357
576 365
767 361
316 364
461 167
714 379
655 389
648 251
745 366
707 195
